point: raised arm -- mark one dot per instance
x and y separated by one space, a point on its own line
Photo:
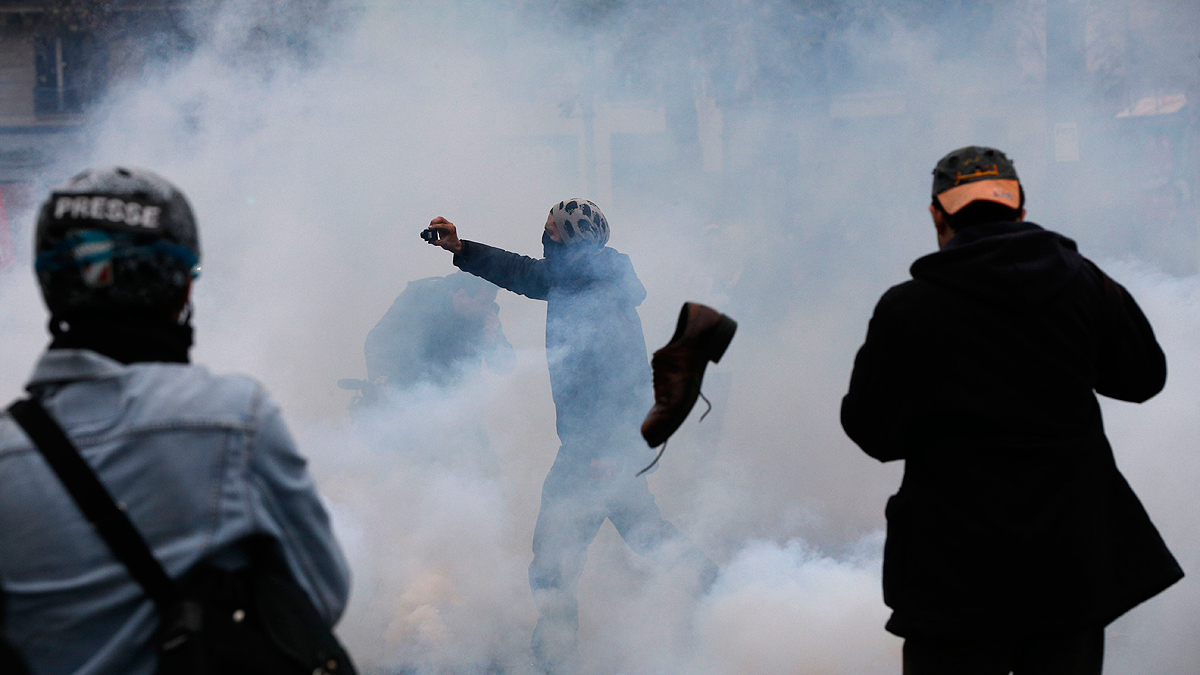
517 273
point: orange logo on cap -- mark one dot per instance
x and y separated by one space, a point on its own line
994 171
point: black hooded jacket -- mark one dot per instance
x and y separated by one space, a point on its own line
422 339
981 373
599 372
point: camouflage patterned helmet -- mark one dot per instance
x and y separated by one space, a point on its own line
116 239
579 221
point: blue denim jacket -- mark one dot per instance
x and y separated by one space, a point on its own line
198 460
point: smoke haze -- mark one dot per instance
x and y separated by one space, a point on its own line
768 158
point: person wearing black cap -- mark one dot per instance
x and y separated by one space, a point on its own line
1013 539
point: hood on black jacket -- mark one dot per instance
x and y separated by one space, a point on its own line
1010 264
577 267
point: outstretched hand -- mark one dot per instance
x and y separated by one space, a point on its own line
449 235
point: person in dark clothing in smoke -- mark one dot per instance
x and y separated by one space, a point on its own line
438 330
438 333
600 380
1013 539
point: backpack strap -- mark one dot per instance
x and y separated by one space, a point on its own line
109 519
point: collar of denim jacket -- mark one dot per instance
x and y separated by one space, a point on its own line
67 365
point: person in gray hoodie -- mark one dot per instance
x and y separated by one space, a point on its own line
600 380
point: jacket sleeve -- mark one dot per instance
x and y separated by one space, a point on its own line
871 410
518 273
295 513
1130 364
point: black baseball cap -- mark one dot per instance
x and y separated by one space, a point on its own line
975 173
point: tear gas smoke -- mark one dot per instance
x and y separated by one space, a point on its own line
769 158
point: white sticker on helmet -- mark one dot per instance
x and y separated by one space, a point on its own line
108 208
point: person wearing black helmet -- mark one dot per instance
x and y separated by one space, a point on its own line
201 464
116 255
1013 539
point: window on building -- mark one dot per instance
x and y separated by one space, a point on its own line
67 71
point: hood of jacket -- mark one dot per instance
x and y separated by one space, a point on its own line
1011 264
576 268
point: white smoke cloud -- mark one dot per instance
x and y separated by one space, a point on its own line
1154 449
312 177
791 609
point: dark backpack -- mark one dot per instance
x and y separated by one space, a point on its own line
253 620
10 659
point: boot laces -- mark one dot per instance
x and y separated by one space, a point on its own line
707 403
656 458
664 445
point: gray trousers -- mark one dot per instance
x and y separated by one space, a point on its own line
576 499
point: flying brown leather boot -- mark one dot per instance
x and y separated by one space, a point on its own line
702 335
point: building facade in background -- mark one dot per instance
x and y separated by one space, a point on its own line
57 60
746 116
